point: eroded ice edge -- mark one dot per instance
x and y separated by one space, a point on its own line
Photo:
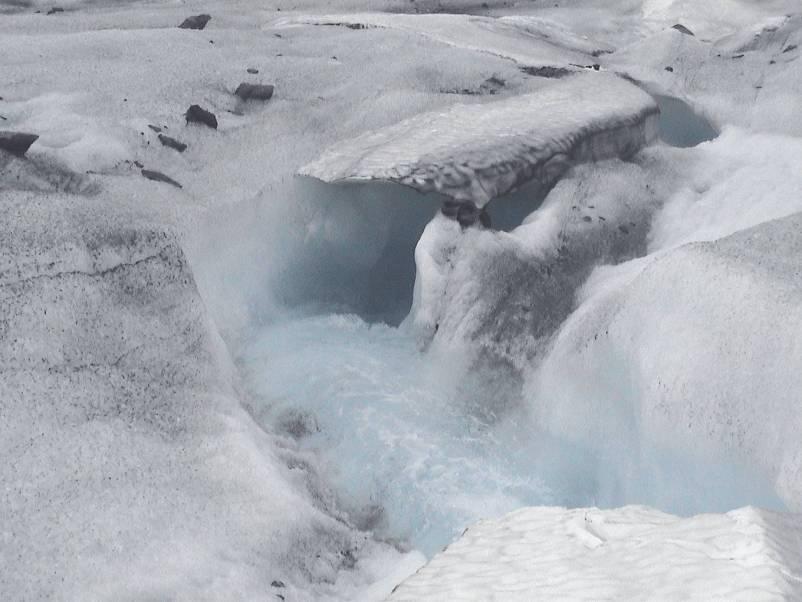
480 152
628 553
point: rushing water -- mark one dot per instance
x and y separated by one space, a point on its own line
418 448
418 445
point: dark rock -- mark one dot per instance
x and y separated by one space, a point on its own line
16 143
54 10
492 85
155 128
484 219
587 218
670 69
682 29
596 66
737 56
139 164
356 26
197 114
172 143
467 215
195 22
252 71
254 91
157 176
278 583
549 72
450 208
789 48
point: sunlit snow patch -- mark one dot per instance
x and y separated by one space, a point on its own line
479 152
630 553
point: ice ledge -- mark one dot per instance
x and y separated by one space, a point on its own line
479 152
629 553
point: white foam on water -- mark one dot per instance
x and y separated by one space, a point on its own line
418 448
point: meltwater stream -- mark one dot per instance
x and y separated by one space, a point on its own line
419 445
405 440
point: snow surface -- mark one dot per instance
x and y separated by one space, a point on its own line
631 553
480 152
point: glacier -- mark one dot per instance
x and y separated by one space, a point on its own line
264 386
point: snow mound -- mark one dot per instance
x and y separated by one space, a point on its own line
479 152
630 553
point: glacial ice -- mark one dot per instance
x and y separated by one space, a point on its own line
140 461
630 553
653 351
479 152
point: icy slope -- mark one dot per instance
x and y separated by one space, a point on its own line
130 467
631 553
477 153
698 351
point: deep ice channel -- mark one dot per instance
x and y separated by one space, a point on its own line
419 445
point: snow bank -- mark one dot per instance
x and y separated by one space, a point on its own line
477 153
631 553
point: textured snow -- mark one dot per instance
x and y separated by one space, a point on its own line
631 553
479 152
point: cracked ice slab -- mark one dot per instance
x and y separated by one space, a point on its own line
479 152
629 553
